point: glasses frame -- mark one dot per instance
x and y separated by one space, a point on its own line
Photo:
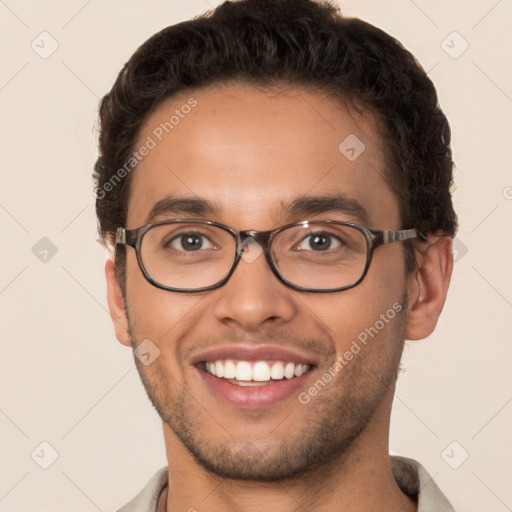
374 238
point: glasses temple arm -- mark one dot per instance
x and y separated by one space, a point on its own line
405 234
121 236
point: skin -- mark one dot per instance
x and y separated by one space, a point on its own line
248 149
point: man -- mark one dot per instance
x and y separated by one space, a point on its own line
275 180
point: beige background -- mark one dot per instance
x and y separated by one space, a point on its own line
67 381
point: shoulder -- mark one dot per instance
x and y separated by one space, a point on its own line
147 499
415 482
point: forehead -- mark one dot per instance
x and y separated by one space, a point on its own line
249 152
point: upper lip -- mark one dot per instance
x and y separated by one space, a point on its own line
254 353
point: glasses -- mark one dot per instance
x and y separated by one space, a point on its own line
199 255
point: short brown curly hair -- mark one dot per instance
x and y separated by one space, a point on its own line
298 42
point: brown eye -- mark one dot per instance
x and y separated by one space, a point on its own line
189 242
320 241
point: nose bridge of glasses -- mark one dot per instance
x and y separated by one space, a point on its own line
249 236
252 243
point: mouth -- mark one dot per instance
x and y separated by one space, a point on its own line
253 378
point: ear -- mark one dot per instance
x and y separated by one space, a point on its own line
428 286
116 305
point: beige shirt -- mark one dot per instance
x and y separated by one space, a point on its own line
410 476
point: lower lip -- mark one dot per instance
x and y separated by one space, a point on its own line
253 397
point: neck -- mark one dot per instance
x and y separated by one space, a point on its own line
359 479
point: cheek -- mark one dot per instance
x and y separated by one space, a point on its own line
348 314
154 313
387 278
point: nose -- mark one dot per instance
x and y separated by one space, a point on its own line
253 295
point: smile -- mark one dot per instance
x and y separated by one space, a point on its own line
246 373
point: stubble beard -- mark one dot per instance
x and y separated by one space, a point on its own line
333 419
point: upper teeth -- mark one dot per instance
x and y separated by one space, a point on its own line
259 371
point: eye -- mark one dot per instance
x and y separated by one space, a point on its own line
189 242
320 241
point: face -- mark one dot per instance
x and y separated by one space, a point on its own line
250 153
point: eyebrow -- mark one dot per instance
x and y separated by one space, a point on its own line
336 203
178 205
300 207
